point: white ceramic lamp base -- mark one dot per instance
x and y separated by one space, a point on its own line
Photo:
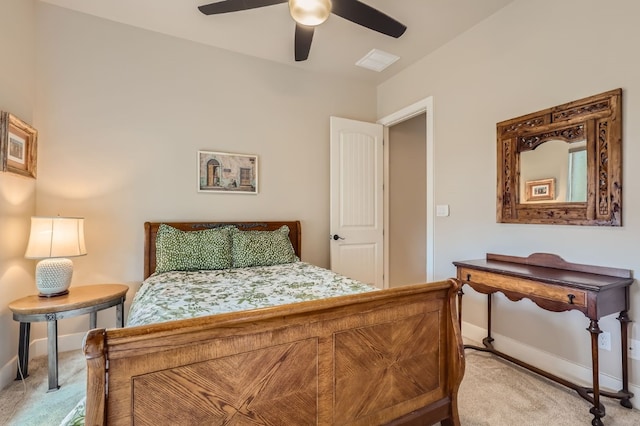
53 276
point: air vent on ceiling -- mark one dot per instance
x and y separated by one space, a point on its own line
377 60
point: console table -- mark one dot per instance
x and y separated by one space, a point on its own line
556 285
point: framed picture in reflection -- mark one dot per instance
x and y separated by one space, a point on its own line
540 190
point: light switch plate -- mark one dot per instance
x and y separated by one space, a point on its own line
442 210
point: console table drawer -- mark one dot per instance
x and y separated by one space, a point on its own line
527 288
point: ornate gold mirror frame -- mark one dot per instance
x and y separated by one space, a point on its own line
598 119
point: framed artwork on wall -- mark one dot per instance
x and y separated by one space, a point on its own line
540 190
18 146
223 172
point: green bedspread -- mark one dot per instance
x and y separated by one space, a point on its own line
179 295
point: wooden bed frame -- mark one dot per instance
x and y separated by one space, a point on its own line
384 357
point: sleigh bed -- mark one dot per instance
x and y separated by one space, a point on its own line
372 357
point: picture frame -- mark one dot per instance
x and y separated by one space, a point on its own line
223 172
18 146
540 190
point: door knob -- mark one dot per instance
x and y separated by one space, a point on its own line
336 237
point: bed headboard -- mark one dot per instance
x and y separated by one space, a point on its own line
151 229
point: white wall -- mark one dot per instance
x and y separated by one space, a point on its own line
529 56
17 193
122 113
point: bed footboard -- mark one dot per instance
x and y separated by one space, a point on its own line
385 357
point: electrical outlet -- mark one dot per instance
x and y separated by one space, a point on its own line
604 341
634 349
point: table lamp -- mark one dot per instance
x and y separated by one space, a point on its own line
54 239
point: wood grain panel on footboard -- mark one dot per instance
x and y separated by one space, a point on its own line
385 357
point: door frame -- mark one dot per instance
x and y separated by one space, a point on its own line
423 106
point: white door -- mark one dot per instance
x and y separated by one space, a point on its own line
356 222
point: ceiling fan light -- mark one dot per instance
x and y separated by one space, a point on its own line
310 12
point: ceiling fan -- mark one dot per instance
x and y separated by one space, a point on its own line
310 13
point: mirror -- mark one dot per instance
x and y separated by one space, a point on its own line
563 165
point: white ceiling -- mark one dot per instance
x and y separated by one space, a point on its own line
268 32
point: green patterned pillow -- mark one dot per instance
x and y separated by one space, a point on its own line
262 248
178 250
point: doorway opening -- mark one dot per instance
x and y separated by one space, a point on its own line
419 236
407 189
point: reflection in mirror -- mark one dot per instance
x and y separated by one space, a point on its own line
564 162
577 184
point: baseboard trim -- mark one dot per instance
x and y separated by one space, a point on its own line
68 342
38 347
8 372
549 362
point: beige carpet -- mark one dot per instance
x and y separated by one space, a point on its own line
493 393
497 393
29 404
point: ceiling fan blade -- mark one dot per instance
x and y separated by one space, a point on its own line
235 6
304 36
365 15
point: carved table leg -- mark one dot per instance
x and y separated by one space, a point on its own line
460 294
488 340
624 326
597 410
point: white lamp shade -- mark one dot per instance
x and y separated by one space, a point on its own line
310 12
56 237
53 239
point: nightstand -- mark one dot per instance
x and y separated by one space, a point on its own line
80 300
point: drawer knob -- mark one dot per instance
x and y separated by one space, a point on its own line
571 297
468 277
